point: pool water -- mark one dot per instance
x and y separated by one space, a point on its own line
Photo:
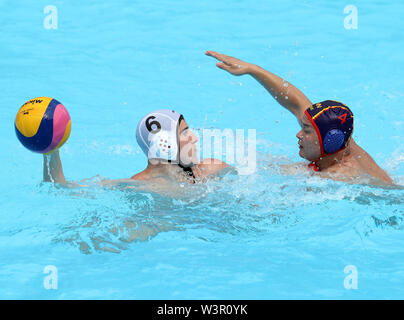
258 236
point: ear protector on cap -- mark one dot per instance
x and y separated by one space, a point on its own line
333 140
162 146
157 135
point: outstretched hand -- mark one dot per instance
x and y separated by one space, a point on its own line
230 64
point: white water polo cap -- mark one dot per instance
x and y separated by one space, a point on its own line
157 135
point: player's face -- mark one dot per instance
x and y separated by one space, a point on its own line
308 140
187 143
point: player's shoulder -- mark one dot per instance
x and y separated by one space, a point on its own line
211 166
367 164
145 176
141 176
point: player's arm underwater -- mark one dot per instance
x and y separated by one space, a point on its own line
53 172
284 92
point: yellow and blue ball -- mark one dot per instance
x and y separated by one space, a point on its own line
42 125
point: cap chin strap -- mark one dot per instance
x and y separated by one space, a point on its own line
187 170
313 163
318 133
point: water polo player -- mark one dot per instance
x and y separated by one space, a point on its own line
327 127
170 147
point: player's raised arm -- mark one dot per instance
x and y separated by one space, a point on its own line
284 92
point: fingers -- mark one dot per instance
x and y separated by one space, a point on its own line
212 54
228 68
227 61
222 66
218 56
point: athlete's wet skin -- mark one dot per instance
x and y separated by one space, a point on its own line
173 160
345 160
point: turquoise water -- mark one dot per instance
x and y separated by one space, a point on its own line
258 236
